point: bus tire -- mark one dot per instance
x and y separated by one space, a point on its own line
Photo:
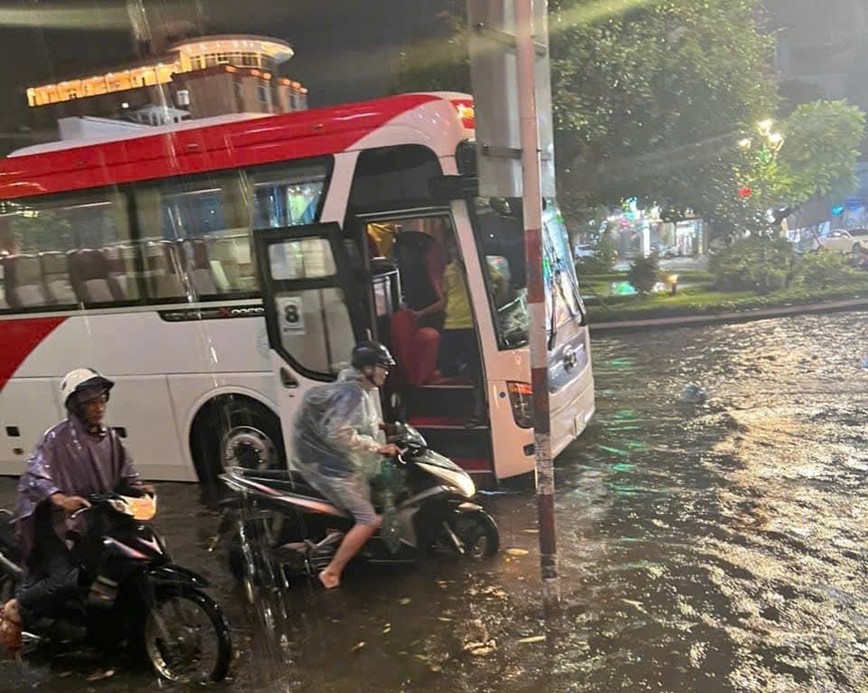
235 431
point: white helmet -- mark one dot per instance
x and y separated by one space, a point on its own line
82 379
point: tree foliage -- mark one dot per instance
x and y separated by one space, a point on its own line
758 263
644 273
821 149
650 100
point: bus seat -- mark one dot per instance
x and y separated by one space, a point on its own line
193 254
121 266
55 278
231 258
161 261
224 263
23 282
90 277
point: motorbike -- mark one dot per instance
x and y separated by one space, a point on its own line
156 608
278 526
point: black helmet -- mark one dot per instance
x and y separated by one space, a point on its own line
371 354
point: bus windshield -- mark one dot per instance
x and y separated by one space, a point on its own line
500 238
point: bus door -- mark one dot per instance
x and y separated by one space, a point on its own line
314 312
438 384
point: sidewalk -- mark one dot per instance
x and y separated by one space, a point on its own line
731 317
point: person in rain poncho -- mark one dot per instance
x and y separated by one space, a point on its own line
338 450
77 457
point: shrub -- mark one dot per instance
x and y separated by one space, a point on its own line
644 273
757 263
822 268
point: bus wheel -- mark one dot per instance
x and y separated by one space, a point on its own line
235 432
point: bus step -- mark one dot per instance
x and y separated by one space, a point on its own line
433 400
444 422
458 442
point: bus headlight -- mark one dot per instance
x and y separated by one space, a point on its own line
521 401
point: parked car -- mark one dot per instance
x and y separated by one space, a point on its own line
844 241
663 250
582 250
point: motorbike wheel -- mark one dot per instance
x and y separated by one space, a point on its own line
471 535
186 637
248 550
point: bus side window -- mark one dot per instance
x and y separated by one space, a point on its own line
196 238
196 232
42 241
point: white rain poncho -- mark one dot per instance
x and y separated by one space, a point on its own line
337 430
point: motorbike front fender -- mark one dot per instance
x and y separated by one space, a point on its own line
171 574
465 506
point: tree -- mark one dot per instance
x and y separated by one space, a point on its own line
820 151
644 273
649 95
650 100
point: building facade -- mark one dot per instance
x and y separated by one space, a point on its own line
820 49
196 78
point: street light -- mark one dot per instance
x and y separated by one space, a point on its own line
776 141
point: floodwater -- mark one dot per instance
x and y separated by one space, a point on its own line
711 547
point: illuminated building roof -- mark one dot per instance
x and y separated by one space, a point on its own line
187 56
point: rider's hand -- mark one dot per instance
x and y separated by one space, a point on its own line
70 504
390 450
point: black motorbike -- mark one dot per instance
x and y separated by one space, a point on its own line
279 526
155 608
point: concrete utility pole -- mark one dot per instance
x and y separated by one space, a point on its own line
526 48
512 94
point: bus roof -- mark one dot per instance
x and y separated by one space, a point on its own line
191 147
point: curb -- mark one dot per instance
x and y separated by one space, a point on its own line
858 304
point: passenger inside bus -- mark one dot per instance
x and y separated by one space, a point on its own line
421 258
434 336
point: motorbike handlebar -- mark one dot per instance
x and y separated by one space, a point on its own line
103 500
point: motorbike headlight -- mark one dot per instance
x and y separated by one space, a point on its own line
521 401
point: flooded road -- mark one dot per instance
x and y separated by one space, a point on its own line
711 547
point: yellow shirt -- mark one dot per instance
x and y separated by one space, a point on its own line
458 313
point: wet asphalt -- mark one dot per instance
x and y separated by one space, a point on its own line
703 547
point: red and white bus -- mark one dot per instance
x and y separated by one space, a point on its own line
137 255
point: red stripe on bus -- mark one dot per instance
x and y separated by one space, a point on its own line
18 338
285 137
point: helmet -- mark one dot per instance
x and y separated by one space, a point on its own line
371 354
82 379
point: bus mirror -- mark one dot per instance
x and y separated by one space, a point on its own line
448 188
509 207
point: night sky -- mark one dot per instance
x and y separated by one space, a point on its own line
346 50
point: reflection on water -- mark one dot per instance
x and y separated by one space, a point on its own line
712 547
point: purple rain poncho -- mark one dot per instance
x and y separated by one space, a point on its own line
71 461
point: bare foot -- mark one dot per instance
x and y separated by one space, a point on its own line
329 580
10 626
10 611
